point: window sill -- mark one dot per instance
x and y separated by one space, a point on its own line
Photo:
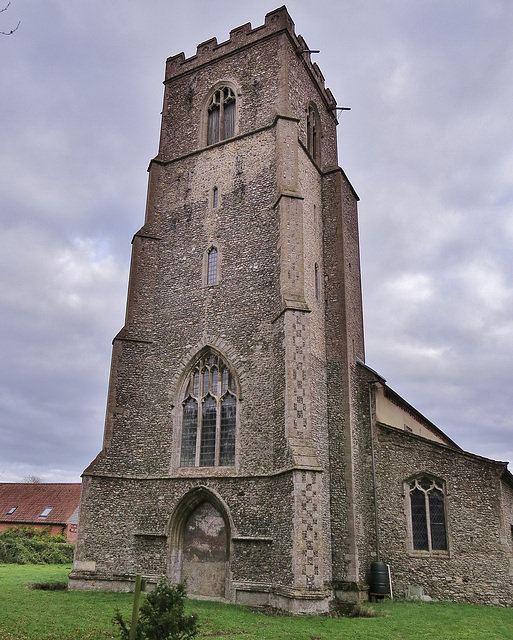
205 472
429 554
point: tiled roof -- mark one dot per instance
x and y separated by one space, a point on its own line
73 519
31 500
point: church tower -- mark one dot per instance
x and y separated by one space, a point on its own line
230 439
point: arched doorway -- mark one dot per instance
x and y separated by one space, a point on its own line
199 539
204 552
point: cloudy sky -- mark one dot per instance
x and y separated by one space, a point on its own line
428 146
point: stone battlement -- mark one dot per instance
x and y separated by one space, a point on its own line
276 22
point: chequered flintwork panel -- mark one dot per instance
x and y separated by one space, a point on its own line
308 528
297 376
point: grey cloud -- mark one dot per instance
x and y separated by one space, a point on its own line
428 146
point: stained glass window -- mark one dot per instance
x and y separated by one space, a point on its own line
227 441
427 502
208 433
419 520
209 414
189 433
437 520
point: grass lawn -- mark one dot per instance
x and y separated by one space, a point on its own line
27 614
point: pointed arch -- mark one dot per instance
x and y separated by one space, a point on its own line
426 507
208 412
220 113
201 512
212 275
212 259
223 348
188 503
313 133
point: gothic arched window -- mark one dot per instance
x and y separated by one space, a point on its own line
212 266
209 414
221 115
427 508
313 134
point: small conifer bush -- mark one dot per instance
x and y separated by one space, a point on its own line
162 615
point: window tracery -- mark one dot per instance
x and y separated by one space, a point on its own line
221 115
209 415
428 523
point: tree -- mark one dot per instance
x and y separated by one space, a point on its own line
9 33
32 480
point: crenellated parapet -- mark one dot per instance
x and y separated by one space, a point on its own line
276 22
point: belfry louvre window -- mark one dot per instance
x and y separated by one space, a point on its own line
209 415
313 134
221 115
427 502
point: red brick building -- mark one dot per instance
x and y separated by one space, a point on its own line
39 506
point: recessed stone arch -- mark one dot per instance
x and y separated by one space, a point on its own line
217 345
223 93
200 531
313 132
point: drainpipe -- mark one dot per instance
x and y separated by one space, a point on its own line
374 482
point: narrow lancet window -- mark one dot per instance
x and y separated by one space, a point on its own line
212 266
312 134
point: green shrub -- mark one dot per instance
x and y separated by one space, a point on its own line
30 546
162 615
57 585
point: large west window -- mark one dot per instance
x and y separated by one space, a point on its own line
427 507
221 115
209 415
